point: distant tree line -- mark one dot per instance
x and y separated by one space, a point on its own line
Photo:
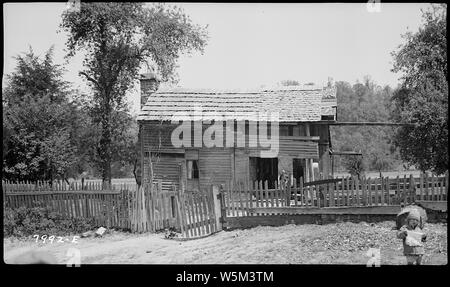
364 102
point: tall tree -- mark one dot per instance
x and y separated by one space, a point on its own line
37 121
118 38
423 95
123 143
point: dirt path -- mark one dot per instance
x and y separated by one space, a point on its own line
341 243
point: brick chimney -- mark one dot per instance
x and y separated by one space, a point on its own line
149 84
330 82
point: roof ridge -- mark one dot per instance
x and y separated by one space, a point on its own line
180 90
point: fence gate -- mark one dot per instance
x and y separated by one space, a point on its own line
199 212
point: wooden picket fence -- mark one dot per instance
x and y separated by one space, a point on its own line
192 214
121 206
153 208
247 199
150 208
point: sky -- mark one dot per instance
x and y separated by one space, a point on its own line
250 45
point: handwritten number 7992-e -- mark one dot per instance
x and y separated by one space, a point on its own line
52 238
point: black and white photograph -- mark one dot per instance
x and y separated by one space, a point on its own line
188 134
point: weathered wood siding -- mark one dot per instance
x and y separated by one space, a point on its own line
324 145
167 167
241 166
157 137
292 148
214 166
219 165
299 149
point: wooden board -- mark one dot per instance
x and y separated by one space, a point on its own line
433 205
330 210
279 220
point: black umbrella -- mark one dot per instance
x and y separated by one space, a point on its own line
401 217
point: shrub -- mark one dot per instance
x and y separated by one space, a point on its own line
24 221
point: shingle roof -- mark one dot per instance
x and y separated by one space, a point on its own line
293 103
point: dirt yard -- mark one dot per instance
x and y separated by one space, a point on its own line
341 243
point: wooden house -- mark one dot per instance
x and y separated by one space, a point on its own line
303 135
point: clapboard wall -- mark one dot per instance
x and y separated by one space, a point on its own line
167 168
221 164
214 166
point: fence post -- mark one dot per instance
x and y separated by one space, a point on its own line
87 205
412 186
218 206
446 185
181 214
357 192
289 193
387 185
433 190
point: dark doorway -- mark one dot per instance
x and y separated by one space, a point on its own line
264 169
298 169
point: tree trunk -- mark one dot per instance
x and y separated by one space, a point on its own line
105 154
105 143
139 161
137 172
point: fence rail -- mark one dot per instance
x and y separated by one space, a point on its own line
18 186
